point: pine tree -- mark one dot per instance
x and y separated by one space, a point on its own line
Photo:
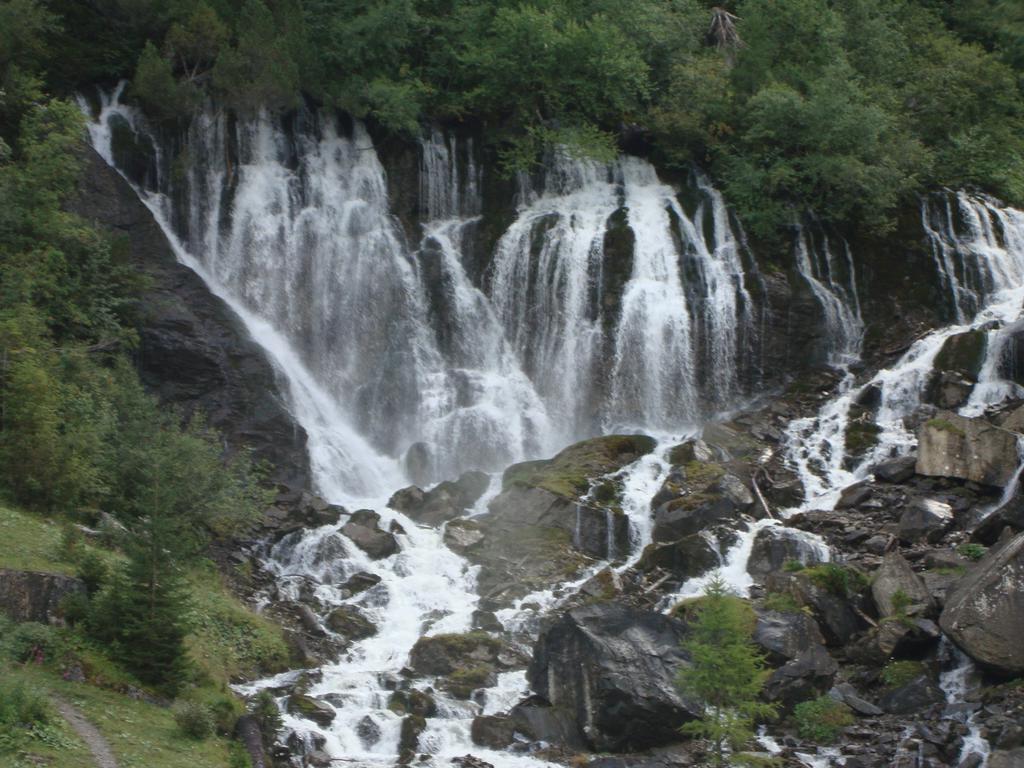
727 672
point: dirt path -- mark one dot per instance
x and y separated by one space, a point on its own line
93 739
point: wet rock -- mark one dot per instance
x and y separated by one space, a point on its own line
486 621
360 582
805 677
536 719
368 731
925 520
363 528
984 615
318 759
412 702
447 654
461 535
897 470
36 596
775 545
785 636
492 731
349 622
409 737
1006 758
897 590
305 706
444 502
687 516
613 669
917 695
971 449
462 683
691 556
469 761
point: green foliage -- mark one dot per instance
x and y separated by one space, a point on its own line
840 580
821 720
899 673
193 719
783 602
972 551
726 673
793 566
158 90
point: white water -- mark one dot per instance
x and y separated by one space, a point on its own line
987 242
956 682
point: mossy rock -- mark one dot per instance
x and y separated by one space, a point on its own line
463 682
861 434
571 472
318 711
412 702
945 425
446 654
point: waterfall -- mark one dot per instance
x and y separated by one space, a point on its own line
840 304
979 255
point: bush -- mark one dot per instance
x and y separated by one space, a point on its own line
898 673
837 579
30 641
93 571
821 719
193 719
22 706
972 551
793 566
781 602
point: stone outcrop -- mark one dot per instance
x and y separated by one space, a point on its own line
36 596
614 667
950 445
984 615
194 353
443 502
363 528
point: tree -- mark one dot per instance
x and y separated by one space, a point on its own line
726 674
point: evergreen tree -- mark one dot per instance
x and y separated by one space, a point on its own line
727 672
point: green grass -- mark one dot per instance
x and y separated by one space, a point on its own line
30 543
141 735
945 425
898 673
822 720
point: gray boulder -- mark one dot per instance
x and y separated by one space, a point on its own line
785 636
920 693
925 520
690 556
444 502
363 528
613 669
968 448
897 590
805 677
36 596
984 615
775 545
349 622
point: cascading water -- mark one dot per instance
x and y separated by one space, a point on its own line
956 683
982 244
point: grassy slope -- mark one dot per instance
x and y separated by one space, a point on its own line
228 640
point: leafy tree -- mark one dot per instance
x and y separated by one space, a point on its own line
726 673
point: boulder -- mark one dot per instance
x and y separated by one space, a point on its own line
775 545
447 654
691 556
984 615
462 534
319 712
897 590
897 470
1006 758
368 731
363 528
444 502
412 702
967 448
785 636
925 520
805 677
834 613
349 622
360 582
613 668
920 693
848 695
36 596
409 737
686 516
492 731
854 495
538 721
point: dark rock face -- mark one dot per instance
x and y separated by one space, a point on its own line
785 636
925 519
194 353
613 667
318 711
349 622
808 675
897 590
916 695
494 731
834 613
984 615
36 596
690 556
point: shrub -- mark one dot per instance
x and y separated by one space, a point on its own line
792 566
93 571
821 719
22 706
782 602
193 719
972 551
30 641
837 579
898 673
